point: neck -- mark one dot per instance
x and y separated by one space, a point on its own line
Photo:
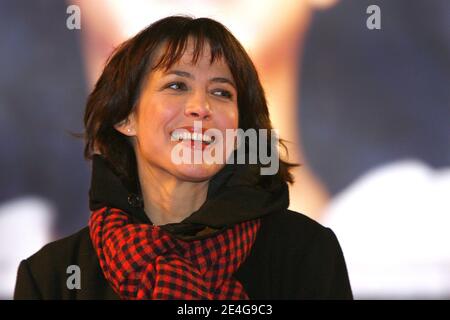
168 199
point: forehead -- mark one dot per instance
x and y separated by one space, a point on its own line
193 52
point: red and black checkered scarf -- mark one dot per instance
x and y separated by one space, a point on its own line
143 261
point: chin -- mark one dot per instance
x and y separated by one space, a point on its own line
197 173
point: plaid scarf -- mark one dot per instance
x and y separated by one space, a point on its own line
142 261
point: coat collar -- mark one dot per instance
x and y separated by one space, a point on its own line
237 193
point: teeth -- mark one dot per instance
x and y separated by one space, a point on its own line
178 136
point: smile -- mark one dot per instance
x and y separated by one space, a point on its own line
181 135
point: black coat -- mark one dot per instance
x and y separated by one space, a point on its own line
293 256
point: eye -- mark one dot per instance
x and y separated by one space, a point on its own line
222 93
177 86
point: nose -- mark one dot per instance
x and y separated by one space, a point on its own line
197 106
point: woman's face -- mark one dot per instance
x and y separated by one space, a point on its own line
174 99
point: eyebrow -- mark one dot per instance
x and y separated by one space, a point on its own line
190 76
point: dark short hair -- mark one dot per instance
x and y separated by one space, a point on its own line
118 89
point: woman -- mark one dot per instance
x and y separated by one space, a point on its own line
164 229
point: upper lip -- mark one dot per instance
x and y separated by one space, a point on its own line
191 129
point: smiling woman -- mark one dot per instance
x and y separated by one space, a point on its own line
165 230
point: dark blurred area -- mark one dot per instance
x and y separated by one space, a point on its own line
42 96
374 96
375 126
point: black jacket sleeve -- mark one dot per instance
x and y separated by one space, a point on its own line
340 285
328 269
26 288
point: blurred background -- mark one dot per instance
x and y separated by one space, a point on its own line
366 111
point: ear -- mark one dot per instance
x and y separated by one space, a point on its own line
127 126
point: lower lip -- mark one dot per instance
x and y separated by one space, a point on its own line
194 144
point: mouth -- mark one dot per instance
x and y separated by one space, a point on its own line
192 136
187 134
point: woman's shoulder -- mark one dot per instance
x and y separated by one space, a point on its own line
69 248
298 258
46 273
302 241
293 227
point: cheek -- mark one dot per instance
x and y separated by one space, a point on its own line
229 119
156 117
